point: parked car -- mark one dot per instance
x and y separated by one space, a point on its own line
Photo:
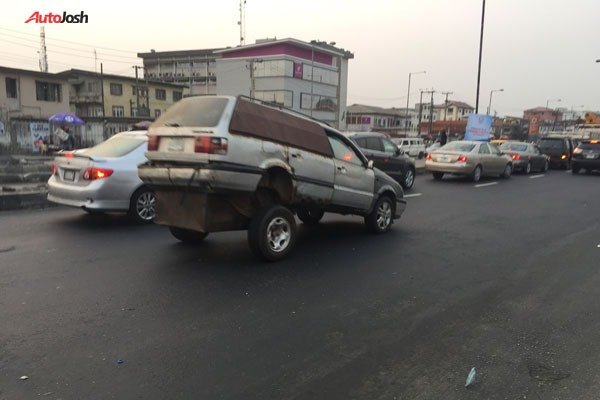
473 159
387 157
104 177
526 156
559 149
586 156
414 147
219 163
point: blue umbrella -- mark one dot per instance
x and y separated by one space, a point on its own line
66 118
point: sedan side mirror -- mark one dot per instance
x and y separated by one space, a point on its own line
370 164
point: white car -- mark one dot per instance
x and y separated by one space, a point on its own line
105 177
413 147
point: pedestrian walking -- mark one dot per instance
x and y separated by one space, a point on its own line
443 137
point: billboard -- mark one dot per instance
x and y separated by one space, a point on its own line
479 127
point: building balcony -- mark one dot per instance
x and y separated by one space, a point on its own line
85 98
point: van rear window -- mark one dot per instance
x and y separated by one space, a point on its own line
199 111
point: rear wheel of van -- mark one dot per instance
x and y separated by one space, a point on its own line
272 233
310 216
188 236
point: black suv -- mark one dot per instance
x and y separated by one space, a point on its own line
387 157
559 149
587 156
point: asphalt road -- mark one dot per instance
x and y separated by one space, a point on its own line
504 278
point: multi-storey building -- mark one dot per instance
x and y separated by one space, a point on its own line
308 77
195 69
33 94
95 95
363 118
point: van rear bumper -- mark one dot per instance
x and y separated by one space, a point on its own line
209 178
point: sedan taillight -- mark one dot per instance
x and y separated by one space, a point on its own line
54 169
516 156
93 173
461 158
428 156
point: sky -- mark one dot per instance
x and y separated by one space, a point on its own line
538 51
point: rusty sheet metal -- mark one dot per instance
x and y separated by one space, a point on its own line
266 123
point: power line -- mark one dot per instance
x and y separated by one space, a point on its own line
65 53
72 42
64 47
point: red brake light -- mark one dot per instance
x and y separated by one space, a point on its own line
210 145
428 156
54 169
516 156
93 173
68 155
461 158
153 142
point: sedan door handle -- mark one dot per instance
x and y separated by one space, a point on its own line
342 169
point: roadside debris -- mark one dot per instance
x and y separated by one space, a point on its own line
471 377
120 361
24 378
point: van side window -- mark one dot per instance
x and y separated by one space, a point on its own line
343 152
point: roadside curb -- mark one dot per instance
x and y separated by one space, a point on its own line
24 200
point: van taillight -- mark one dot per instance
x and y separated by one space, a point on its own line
153 142
210 145
54 169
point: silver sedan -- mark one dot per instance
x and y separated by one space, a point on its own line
473 159
105 177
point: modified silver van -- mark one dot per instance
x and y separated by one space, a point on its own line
219 163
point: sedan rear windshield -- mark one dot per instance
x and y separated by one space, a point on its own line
552 144
194 111
115 147
458 146
514 147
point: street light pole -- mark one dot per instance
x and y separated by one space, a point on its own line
408 95
490 103
480 51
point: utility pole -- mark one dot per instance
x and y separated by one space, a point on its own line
43 54
137 91
190 80
410 74
430 110
102 95
420 113
242 22
252 77
446 105
312 73
207 75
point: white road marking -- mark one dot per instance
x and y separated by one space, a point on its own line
567 171
413 195
537 176
486 184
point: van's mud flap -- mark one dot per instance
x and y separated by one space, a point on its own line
197 211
